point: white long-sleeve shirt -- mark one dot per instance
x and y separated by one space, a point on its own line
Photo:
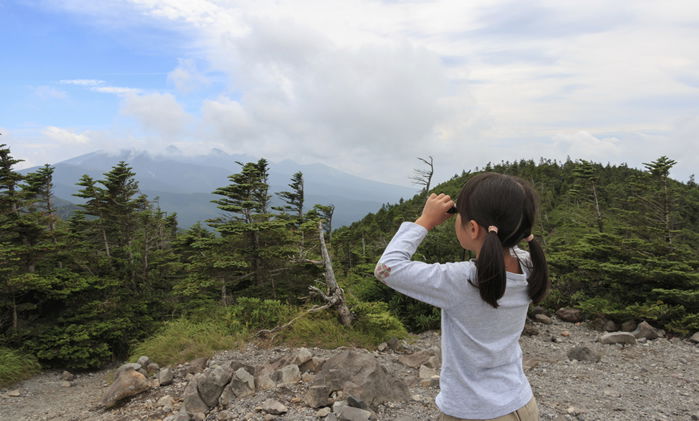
482 375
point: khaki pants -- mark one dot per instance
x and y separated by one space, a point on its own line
529 412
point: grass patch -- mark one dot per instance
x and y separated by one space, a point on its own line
15 366
182 340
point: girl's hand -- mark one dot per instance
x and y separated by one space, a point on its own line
435 211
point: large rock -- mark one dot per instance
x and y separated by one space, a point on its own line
361 374
645 330
583 353
312 365
129 382
317 396
191 401
289 374
628 326
611 326
165 376
242 383
211 386
568 314
624 338
695 338
197 365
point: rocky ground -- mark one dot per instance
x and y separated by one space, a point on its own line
651 380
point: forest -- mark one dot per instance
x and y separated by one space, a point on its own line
117 278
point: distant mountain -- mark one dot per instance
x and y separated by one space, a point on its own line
183 184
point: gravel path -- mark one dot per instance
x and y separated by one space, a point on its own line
657 380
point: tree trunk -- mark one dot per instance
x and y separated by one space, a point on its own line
334 291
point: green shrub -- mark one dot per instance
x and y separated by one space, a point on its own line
15 366
256 314
183 340
375 320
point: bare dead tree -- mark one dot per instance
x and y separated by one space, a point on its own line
423 177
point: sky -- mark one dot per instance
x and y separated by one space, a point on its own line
364 86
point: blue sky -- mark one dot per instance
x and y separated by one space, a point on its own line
365 86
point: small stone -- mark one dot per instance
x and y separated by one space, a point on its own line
623 338
323 412
67 376
269 417
14 393
289 374
152 367
308 377
350 413
565 333
529 330
383 346
273 406
143 360
167 402
583 353
542 318
66 384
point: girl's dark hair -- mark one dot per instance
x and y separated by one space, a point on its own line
509 203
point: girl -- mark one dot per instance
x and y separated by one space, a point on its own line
484 302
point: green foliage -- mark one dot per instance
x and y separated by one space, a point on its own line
182 340
375 320
16 366
256 314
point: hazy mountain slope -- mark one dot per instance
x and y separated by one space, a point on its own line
184 184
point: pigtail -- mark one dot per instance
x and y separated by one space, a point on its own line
490 267
539 282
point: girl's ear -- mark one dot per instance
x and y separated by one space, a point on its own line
474 229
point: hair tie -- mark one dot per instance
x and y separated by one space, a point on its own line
530 238
493 228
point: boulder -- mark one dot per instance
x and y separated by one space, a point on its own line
695 338
301 356
191 401
628 326
242 383
383 346
317 396
264 381
624 338
538 310
645 330
435 362
542 318
289 374
361 374
165 376
211 386
129 382
415 359
611 326
152 367
356 402
583 353
568 314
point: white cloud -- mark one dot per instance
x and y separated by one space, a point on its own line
160 113
187 77
118 90
65 136
368 85
82 82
